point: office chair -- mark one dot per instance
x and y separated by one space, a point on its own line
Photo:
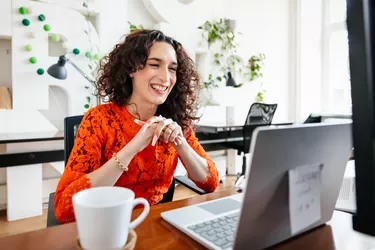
313 119
71 125
260 114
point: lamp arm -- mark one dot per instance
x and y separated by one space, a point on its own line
81 72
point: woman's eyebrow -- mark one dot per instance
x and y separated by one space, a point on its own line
159 60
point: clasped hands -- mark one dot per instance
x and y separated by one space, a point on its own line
163 129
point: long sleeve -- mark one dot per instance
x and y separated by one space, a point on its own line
212 181
84 158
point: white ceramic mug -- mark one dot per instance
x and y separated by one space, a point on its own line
103 216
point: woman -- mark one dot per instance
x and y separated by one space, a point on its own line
135 140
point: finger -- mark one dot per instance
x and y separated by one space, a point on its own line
174 135
166 134
157 132
176 131
139 122
151 121
179 137
178 140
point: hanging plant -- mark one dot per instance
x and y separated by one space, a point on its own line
254 67
226 58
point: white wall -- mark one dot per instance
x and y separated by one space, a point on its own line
57 110
310 67
112 23
265 29
137 14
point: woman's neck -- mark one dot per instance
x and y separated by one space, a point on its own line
140 109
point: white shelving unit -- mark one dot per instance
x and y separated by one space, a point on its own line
5 19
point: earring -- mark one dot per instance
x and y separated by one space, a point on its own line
131 75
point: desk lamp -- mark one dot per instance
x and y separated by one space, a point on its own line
59 71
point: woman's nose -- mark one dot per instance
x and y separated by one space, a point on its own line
164 74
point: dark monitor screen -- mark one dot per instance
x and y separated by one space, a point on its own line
361 58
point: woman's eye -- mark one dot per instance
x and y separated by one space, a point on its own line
173 69
154 65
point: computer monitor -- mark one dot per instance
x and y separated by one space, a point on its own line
360 14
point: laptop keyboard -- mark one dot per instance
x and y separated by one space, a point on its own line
219 231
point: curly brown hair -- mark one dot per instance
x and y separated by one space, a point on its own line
115 84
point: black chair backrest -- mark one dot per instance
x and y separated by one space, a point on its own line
71 124
313 119
260 114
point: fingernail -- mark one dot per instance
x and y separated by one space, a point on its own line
154 140
144 128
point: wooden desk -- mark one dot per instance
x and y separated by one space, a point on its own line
155 233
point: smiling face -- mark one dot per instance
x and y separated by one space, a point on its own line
154 83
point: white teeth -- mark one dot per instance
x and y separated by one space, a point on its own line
158 87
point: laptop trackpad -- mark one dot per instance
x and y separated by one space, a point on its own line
221 206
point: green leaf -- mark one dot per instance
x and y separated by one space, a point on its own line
84 4
141 27
132 26
86 106
88 99
218 78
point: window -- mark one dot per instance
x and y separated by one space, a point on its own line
336 76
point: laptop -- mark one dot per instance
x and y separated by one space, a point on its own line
260 217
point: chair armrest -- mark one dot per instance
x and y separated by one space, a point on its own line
189 184
51 218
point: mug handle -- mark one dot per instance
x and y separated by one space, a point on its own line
144 213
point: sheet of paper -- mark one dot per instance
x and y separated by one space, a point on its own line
304 196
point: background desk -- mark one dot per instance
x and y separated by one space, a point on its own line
20 149
213 136
23 154
155 233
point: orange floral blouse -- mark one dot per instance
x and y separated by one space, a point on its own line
106 129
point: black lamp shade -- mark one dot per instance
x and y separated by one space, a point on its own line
58 70
230 81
